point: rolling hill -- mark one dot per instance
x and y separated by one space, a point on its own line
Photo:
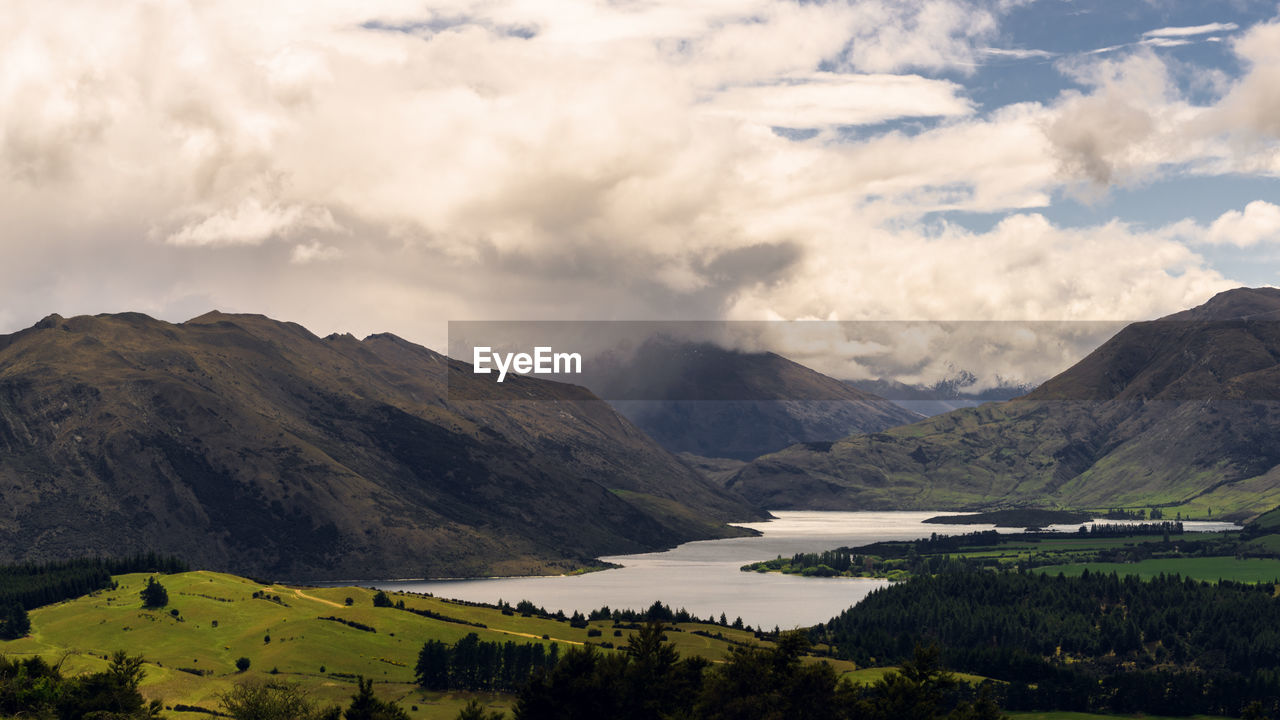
249 445
1180 413
303 635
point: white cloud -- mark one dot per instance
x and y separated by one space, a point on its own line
1165 42
1024 269
606 160
313 251
1258 223
1134 123
822 99
251 223
1251 109
1189 30
891 35
1017 53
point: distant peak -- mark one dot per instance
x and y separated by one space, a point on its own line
211 316
50 322
1236 304
1264 294
217 316
129 317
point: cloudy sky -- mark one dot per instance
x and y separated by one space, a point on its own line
391 166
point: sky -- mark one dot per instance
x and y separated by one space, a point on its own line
392 166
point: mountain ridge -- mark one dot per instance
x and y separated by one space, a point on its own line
250 444
1179 412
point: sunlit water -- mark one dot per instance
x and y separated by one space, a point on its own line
705 577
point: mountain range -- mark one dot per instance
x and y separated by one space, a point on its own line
247 444
708 401
1180 413
942 396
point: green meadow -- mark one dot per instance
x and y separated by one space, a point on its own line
191 656
1209 569
1063 715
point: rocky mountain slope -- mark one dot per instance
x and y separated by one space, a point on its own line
942 396
1180 412
705 400
246 444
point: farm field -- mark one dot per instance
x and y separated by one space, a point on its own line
1209 569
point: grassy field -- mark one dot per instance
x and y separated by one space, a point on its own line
1069 553
219 621
1199 568
1063 715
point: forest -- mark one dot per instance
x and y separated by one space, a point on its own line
649 679
27 586
475 664
1096 643
33 585
989 549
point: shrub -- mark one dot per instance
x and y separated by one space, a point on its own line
242 664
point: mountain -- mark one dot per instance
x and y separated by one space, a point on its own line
705 400
940 397
251 445
1180 413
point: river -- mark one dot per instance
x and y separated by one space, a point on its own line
705 578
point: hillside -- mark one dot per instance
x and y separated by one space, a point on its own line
1179 413
223 617
711 402
245 444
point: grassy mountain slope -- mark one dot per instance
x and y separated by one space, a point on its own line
246 444
1180 413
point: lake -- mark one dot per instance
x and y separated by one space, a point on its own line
704 577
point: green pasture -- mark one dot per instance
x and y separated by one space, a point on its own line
191 656
1199 568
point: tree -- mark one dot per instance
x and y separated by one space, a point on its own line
34 688
755 683
242 664
475 711
256 699
366 706
154 595
380 599
112 692
432 669
16 623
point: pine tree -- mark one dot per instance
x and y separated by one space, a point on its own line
154 595
366 706
16 622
